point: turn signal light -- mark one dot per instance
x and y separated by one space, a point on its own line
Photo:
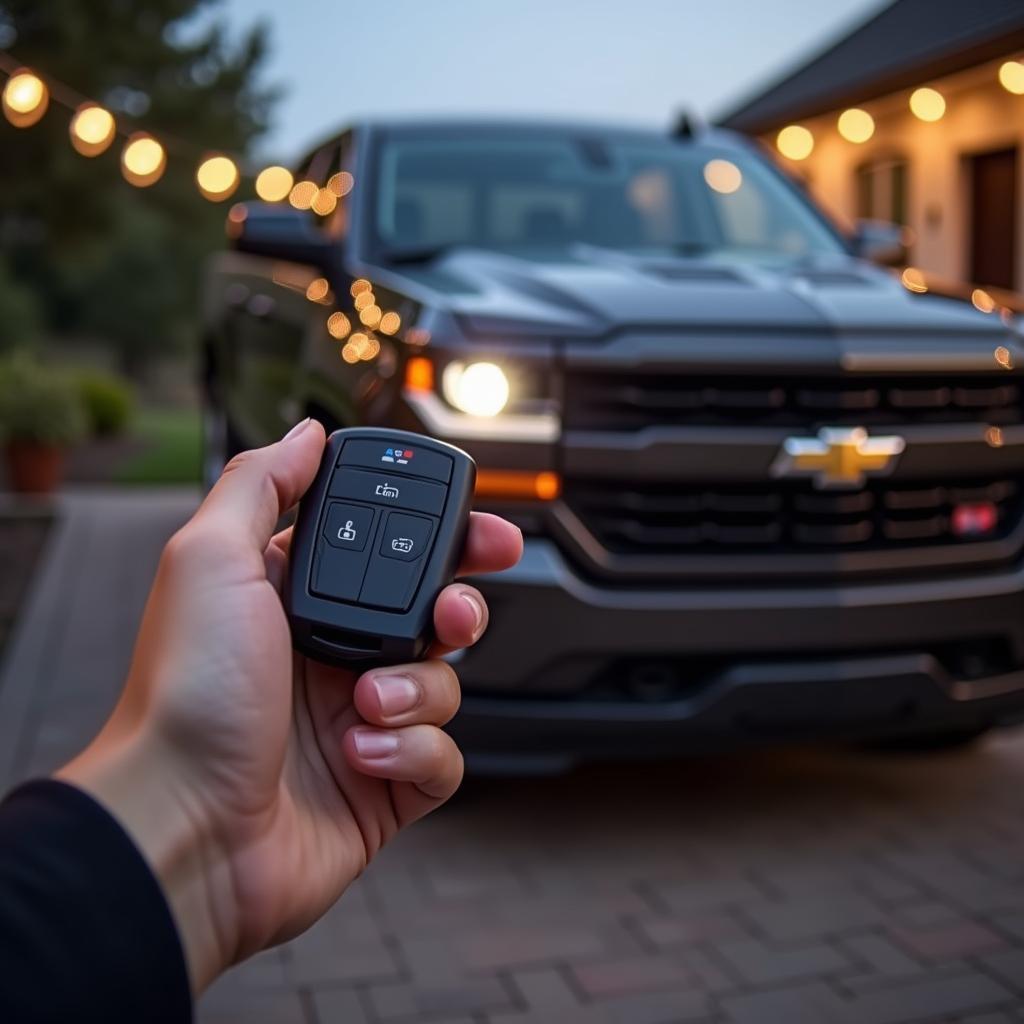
419 374
518 484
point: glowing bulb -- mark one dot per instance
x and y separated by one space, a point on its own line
274 183
143 160
723 176
390 323
25 98
795 142
363 299
92 129
982 301
1011 77
340 184
217 177
317 289
1003 357
927 104
856 125
479 389
338 325
302 194
370 316
360 285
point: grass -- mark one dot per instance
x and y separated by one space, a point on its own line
173 453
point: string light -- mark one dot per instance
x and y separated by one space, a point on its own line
341 183
217 177
25 98
723 176
92 129
302 194
390 323
856 125
143 160
338 325
324 202
1011 77
795 142
274 183
927 104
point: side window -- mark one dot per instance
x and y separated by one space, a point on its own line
327 180
882 190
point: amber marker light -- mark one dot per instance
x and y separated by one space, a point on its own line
92 129
419 374
795 142
274 183
143 160
518 484
25 98
927 104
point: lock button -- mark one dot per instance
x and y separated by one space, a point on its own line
348 526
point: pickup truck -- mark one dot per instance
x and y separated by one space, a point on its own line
770 491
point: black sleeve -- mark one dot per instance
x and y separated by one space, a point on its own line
85 931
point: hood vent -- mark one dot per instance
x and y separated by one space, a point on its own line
696 275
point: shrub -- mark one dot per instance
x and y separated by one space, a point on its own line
38 403
108 399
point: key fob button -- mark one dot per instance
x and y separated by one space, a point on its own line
338 574
405 537
388 489
347 526
393 457
390 583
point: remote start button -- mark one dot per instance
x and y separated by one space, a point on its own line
405 537
394 490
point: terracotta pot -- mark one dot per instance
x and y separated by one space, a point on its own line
34 468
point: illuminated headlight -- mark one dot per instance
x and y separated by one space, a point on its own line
478 389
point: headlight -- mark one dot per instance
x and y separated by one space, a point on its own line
478 389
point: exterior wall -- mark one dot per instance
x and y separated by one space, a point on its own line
980 116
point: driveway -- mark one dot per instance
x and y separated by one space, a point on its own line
791 887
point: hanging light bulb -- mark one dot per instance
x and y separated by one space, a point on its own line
92 129
25 98
143 160
217 177
274 183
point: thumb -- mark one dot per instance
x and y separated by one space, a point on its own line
257 487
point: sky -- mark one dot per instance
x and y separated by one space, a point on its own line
631 61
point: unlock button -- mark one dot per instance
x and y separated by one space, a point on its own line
348 526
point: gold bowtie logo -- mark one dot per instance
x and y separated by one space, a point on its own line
838 456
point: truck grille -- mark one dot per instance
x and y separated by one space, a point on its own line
602 401
776 517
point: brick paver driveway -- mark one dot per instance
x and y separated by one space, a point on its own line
782 888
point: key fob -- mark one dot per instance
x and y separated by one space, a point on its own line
379 534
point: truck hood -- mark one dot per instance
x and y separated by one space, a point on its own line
597 292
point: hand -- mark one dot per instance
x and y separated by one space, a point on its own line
258 783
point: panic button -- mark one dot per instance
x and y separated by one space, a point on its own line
405 537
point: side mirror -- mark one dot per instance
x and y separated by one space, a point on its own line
280 231
880 242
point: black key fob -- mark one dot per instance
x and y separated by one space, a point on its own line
379 534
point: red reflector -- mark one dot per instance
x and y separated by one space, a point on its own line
975 519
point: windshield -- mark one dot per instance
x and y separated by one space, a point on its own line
543 194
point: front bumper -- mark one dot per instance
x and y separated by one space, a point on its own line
577 669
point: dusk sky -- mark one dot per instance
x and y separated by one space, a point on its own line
636 61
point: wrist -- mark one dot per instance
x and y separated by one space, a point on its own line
138 784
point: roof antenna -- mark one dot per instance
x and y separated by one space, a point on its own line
687 126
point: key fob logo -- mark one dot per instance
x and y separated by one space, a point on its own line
347 532
403 544
386 491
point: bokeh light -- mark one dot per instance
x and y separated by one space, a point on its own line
92 129
927 104
913 280
370 315
363 299
324 202
856 125
217 177
360 285
340 184
795 142
302 194
143 160
338 325
1011 77
723 176
982 301
390 323
25 98
274 183
317 289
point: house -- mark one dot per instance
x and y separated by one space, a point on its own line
915 117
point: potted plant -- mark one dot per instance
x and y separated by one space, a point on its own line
40 417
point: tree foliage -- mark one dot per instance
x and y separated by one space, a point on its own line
99 255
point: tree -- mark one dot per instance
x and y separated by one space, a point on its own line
100 255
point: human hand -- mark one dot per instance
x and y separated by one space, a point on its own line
257 783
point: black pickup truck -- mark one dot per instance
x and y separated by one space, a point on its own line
768 491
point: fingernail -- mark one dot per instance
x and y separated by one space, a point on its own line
396 694
478 612
373 744
296 430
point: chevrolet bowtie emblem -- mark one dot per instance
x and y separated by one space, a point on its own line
838 456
